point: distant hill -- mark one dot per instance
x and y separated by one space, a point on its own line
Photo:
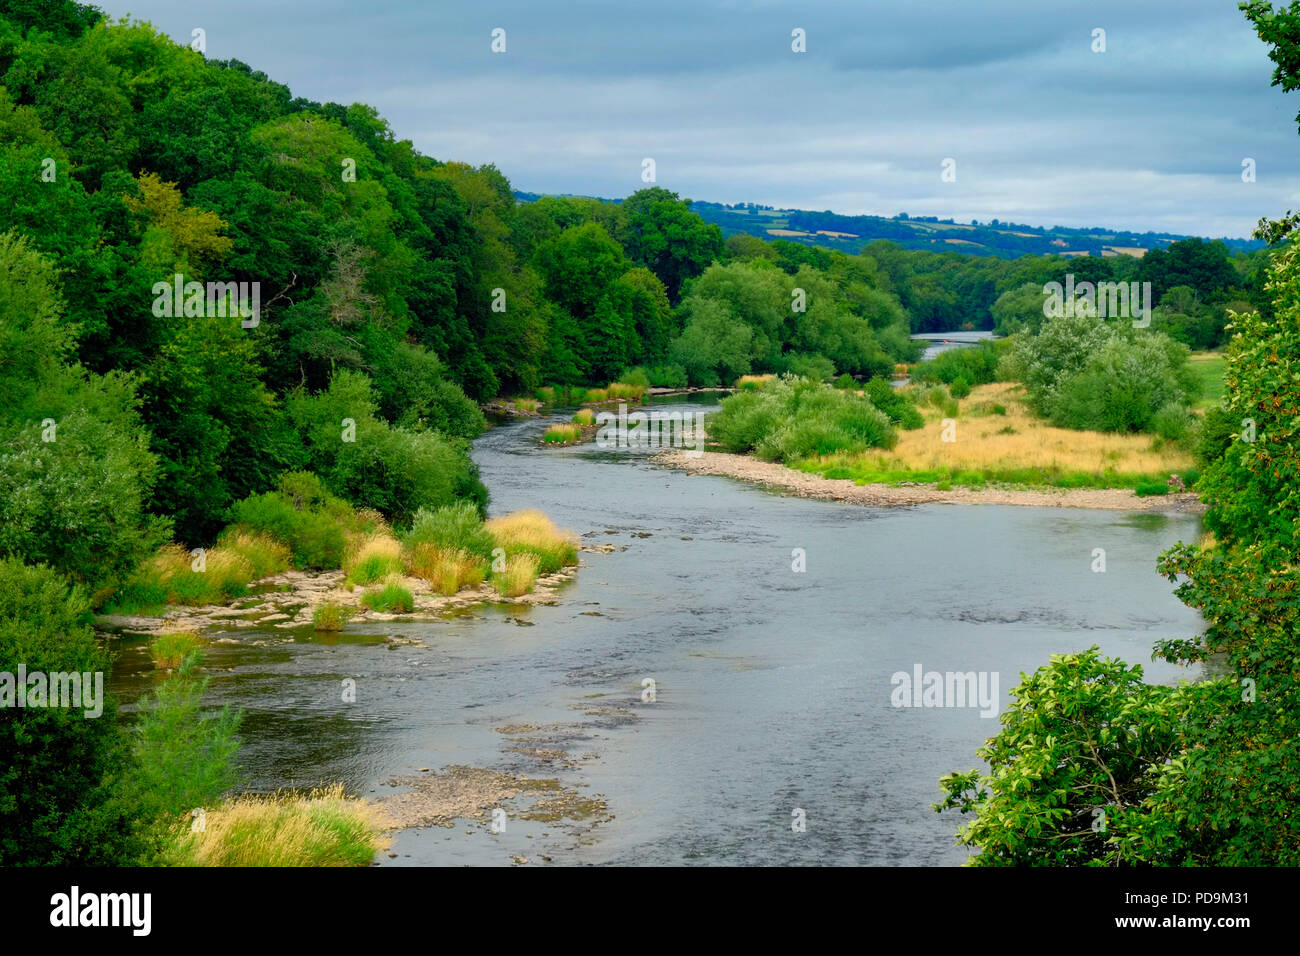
1007 240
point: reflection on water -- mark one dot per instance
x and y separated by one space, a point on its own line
772 686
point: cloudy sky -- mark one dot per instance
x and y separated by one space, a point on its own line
1150 134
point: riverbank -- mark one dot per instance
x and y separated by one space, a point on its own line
287 601
778 477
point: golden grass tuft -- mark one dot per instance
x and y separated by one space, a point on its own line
372 557
265 555
448 570
562 433
324 828
623 391
532 532
584 416
519 576
753 381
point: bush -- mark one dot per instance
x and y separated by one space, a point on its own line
1172 422
895 403
976 364
846 381
1147 488
57 805
959 388
183 758
637 377
451 528
304 517
792 418
667 376
818 368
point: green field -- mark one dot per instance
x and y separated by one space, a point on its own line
1208 368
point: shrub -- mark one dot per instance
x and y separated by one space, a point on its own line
530 532
959 388
976 364
392 598
846 381
1172 422
57 806
667 376
792 418
451 528
303 516
1146 488
895 403
184 758
636 377
519 576
817 368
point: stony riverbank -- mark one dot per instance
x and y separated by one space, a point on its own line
778 477
286 601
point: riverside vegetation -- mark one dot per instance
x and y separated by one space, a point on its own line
333 431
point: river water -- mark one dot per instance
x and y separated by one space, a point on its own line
772 686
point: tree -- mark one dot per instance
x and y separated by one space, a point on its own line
663 235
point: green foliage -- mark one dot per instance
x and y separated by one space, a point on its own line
792 418
390 599
976 364
183 758
57 764
896 403
451 528
305 517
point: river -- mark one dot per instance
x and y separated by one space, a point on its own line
772 687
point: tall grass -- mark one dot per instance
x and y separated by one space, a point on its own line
392 598
329 617
625 391
584 416
170 650
752 382
561 434
324 828
373 558
447 570
531 532
518 577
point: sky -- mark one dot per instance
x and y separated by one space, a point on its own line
1150 134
